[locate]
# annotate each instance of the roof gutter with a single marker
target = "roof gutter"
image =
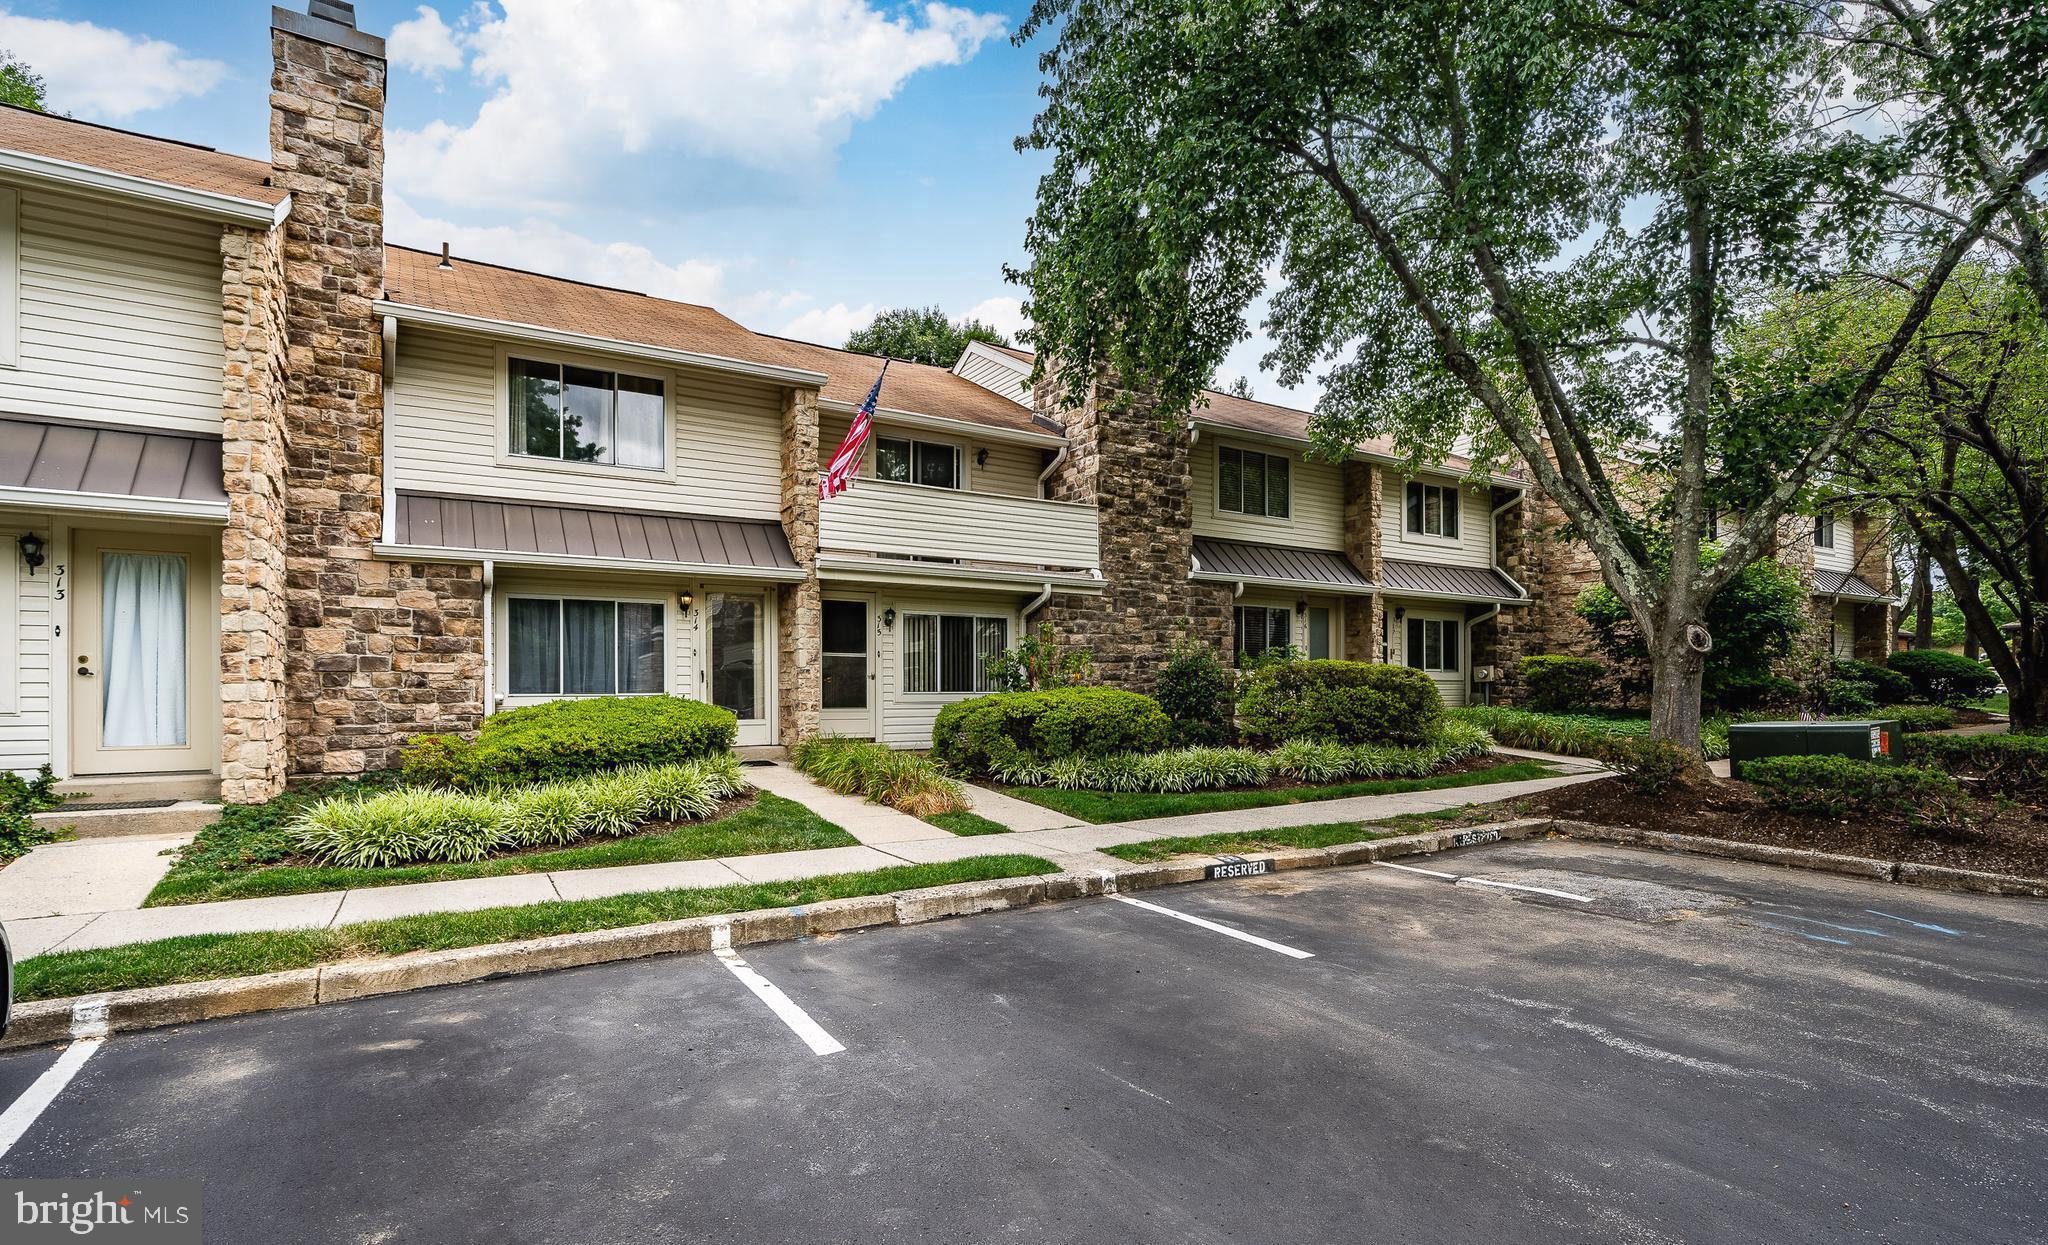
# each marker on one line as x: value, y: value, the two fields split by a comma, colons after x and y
x: 941, y: 423
x: 207, y: 203
x: 564, y: 561
x: 518, y: 330
x: 1388, y: 460
x: 60, y: 500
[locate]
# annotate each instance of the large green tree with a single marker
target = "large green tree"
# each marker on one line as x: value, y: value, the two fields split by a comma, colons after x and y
x: 1531, y: 221
x: 20, y: 84
x: 921, y: 335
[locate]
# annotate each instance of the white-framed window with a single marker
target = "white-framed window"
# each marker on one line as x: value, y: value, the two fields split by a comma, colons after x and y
x: 1433, y: 509
x: 950, y: 652
x: 1433, y: 643
x: 576, y: 414
x: 934, y: 464
x: 1248, y: 482
x: 1262, y: 627
x: 575, y: 646
x: 1823, y: 531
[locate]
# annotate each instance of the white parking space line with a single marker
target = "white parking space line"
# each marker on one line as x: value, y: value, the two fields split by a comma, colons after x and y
x: 1213, y: 927
x: 1510, y: 886
x: 34, y: 1100
x: 799, y: 1021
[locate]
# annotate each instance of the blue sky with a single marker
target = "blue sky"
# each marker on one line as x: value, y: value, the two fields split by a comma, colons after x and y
x: 796, y: 163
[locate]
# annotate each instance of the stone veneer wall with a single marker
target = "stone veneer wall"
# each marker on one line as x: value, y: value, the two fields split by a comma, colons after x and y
x: 379, y: 650
x: 1135, y: 470
x: 1553, y: 571
x: 799, y: 620
x: 1362, y: 537
x: 253, y: 754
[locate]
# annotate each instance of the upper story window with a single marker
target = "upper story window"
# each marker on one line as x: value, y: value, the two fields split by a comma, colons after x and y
x: 1248, y: 482
x: 1433, y: 509
x: 585, y: 415
x: 1823, y: 531
x: 905, y: 461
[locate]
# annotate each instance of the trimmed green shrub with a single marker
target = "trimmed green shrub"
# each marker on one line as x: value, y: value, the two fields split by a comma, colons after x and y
x: 1846, y: 696
x: 1010, y: 729
x: 1886, y: 685
x: 1944, y: 678
x: 1195, y: 691
x: 903, y: 780
x: 1832, y: 786
x: 2015, y: 765
x: 414, y: 825
x: 1555, y: 682
x: 569, y: 738
x: 1348, y: 702
x: 20, y: 799
x: 1915, y: 719
x: 1578, y: 734
x: 1652, y: 766
x: 1206, y: 769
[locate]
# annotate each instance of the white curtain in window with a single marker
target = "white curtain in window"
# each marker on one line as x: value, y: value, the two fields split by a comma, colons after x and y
x: 142, y: 635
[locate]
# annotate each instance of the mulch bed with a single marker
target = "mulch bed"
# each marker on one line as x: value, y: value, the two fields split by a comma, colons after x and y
x: 2012, y: 839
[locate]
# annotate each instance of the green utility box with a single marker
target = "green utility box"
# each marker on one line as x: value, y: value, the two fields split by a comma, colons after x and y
x: 1865, y: 741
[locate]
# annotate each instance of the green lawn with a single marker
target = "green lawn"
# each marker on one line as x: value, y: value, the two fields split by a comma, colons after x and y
x: 202, y: 957
x: 1113, y: 806
x: 229, y: 863
x: 1153, y: 850
x: 964, y: 822
x: 2001, y: 703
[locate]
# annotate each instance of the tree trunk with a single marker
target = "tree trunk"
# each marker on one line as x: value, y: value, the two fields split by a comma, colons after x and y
x: 2029, y: 697
x: 1677, y: 674
x: 1923, y: 599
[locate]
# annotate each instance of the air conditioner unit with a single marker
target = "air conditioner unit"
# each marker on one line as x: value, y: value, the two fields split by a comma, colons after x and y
x: 1486, y: 674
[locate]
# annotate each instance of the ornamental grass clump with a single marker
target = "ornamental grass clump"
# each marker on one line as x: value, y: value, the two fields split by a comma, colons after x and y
x: 400, y: 827
x: 906, y: 781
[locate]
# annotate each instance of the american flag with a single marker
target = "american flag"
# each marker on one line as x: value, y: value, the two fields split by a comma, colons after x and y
x: 845, y: 465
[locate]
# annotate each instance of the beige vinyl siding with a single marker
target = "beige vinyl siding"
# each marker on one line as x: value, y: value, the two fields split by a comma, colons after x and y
x: 1474, y: 546
x: 447, y: 426
x: 1843, y: 556
x: 1315, y: 501
x: 1011, y: 469
x: 1844, y: 631
x: 120, y: 316
x: 25, y: 687
x: 1001, y: 378
x: 905, y: 720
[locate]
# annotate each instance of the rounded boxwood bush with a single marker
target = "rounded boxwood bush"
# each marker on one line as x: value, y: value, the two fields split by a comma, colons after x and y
x: 1835, y: 786
x: 570, y: 738
x: 1556, y: 683
x: 1943, y: 678
x: 1887, y: 686
x: 1349, y: 702
x: 1010, y: 730
x: 2013, y: 765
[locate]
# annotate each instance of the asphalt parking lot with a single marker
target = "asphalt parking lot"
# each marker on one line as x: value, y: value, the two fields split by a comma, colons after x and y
x: 1641, y: 1048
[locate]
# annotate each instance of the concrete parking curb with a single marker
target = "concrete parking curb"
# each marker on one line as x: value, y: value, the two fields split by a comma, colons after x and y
x: 1904, y: 873
x: 57, y: 1020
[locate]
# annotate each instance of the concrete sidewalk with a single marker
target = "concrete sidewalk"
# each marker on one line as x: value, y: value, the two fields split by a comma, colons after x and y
x: 887, y: 837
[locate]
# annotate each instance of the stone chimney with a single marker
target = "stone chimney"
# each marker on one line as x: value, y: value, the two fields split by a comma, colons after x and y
x: 1136, y: 471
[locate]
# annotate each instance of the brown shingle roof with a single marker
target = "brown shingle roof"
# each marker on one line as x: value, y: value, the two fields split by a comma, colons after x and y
x: 489, y: 292
x: 136, y: 155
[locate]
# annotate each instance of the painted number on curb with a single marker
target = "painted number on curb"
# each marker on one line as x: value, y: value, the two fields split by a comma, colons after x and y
x: 1470, y: 838
x: 1238, y: 867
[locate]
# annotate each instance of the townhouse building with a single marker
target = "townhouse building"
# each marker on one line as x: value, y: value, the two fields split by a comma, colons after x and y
x: 278, y: 495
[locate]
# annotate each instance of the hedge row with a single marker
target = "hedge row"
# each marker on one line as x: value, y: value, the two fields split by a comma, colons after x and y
x: 1205, y: 768
x: 569, y: 738
x: 2015, y: 765
x: 1834, y: 786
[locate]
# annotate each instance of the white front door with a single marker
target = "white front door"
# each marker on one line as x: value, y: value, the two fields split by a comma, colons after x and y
x: 737, y: 640
x: 848, y: 630
x: 143, y: 672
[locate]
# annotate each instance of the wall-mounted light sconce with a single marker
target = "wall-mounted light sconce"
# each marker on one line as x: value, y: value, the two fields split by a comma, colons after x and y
x: 981, y: 457
x: 1400, y: 612
x: 684, y: 600
x: 31, y: 550
x: 1300, y: 608
x: 888, y: 618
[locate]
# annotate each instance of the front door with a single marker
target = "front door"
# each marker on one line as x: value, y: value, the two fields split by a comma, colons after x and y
x: 737, y: 667
x: 849, y: 691
x: 142, y: 668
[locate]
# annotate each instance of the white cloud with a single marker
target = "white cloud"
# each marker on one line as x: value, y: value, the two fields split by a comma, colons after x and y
x: 542, y: 246
x: 425, y: 44
x: 105, y: 74
x: 830, y: 326
x: 768, y: 86
x: 1004, y: 315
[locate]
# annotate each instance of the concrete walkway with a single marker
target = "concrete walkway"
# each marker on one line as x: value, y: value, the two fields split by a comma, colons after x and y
x: 887, y: 838
x: 85, y: 876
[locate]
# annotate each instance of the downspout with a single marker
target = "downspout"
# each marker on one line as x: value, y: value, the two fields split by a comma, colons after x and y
x: 490, y: 625
x: 1051, y: 467
x: 1032, y: 607
x: 1492, y: 528
x: 1485, y: 689
x: 390, y: 527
